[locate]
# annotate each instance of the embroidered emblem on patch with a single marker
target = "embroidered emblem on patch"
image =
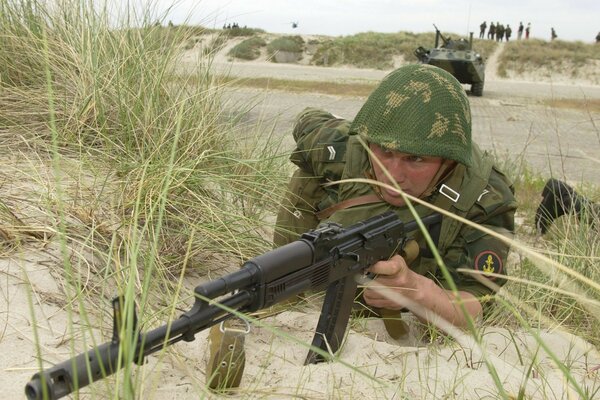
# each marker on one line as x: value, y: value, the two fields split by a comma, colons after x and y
x: 489, y: 262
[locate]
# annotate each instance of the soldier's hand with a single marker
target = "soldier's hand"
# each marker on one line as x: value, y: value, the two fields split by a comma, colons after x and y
x: 393, y: 274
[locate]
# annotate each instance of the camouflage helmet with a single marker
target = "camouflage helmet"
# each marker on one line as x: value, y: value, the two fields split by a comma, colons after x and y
x: 418, y: 109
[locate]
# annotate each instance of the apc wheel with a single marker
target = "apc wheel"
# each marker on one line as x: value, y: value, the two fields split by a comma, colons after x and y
x: 477, y: 89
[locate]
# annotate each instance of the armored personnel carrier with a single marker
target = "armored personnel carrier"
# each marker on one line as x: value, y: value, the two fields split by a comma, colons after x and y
x: 456, y: 57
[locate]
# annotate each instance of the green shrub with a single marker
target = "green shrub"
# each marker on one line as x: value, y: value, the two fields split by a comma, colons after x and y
x: 327, y: 54
x: 237, y: 32
x: 286, y: 43
x: 249, y: 49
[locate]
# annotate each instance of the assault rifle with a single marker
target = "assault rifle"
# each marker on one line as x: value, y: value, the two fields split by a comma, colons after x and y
x: 328, y: 258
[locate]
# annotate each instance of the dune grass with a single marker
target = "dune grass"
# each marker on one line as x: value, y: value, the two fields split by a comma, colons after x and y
x: 147, y: 180
x: 526, y: 54
x: 386, y: 50
x: 522, y: 56
x: 362, y: 50
x: 378, y: 50
x: 138, y: 179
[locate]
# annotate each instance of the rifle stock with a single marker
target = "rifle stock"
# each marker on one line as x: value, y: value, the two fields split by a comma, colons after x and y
x: 328, y: 258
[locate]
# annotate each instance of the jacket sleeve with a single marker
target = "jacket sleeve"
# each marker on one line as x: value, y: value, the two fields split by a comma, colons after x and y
x: 480, y: 252
x: 320, y: 156
x: 321, y: 139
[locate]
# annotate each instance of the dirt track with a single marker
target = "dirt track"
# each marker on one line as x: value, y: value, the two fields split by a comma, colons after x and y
x: 509, y: 118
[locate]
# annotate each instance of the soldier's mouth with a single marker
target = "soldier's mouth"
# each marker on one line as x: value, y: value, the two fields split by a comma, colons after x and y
x: 393, y: 192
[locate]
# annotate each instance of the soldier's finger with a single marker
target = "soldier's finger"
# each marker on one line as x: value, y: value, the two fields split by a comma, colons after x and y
x: 392, y: 266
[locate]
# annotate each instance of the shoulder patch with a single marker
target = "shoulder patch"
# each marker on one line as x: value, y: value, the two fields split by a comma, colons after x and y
x: 489, y: 262
x: 330, y: 152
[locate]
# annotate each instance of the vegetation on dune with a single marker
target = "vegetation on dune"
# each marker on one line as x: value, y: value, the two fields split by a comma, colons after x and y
x: 242, y: 31
x: 183, y: 179
x: 378, y: 50
x: 363, y: 50
x: 291, y: 44
x: 381, y: 50
x: 530, y: 55
x: 249, y: 49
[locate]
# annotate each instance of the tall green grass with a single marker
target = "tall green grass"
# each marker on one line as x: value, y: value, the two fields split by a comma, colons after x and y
x: 556, y: 299
x: 114, y: 103
x: 149, y: 178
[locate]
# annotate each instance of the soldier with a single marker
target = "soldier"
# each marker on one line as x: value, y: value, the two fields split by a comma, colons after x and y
x: 417, y: 128
x: 492, y: 31
x: 482, y: 30
x: 499, y: 32
x: 553, y: 34
x: 507, y: 32
x: 520, y: 31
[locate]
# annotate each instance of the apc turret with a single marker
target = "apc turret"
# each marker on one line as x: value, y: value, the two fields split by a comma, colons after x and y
x: 456, y: 57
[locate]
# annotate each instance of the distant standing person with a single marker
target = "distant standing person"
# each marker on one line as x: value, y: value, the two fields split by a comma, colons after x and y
x: 598, y: 38
x: 507, y: 32
x: 520, y: 31
x: 482, y: 30
x: 499, y: 32
x: 553, y: 34
x: 527, y: 30
x: 492, y: 31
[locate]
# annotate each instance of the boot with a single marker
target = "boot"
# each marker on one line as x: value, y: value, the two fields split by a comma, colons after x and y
x: 559, y: 199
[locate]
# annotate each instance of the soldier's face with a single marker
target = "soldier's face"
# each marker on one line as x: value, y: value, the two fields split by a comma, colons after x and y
x: 412, y: 173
